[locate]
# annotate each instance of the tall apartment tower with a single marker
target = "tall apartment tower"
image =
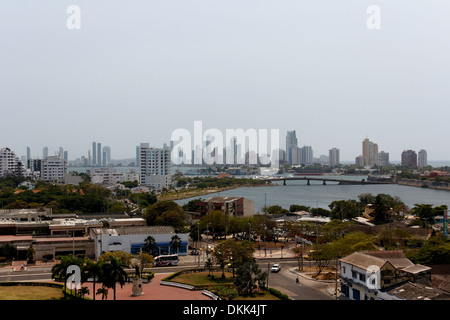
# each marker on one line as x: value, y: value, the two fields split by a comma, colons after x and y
x: 138, y: 152
x: 292, y: 151
x: 99, y: 154
x: 94, y: 154
x: 53, y: 169
x: 334, y: 157
x: 155, y: 166
x: 369, y: 152
x: 306, y: 155
x: 382, y: 159
x: 422, y: 159
x: 409, y: 158
x: 45, y: 153
x: 9, y: 163
x: 106, y: 156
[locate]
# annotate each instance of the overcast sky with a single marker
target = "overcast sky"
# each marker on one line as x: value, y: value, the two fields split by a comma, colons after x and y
x: 138, y: 70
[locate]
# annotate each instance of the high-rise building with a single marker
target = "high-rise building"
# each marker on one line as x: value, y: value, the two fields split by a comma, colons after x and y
x: 409, y: 158
x: 382, y: 159
x: 10, y: 163
x: 334, y: 157
x: 61, y: 152
x: 138, y: 151
x: 66, y: 156
x: 370, y: 151
x: 292, y: 151
x: 28, y: 156
x: 45, y: 153
x: 422, y: 160
x: 155, y: 166
x: 94, y: 154
x: 99, y: 154
x: 359, y: 161
x: 306, y: 155
x: 53, y: 169
x: 106, y: 156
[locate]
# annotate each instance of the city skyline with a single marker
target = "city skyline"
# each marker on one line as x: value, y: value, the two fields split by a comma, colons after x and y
x: 137, y: 73
x: 303, y: 152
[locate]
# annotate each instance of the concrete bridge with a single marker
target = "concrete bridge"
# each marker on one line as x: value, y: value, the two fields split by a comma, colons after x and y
x: 324, y: 180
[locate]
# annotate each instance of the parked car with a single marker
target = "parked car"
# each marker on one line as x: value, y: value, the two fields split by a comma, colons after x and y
x: 276, y: 267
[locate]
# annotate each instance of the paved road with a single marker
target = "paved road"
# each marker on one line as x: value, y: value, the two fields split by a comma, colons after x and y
x: 284, y: 281
x: 31, y: 274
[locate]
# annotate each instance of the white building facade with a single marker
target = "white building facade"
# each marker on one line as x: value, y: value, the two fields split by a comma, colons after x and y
x: 53, y: 169
x: 155, y: 166
x: 132, y: 240
x: 9, y: 163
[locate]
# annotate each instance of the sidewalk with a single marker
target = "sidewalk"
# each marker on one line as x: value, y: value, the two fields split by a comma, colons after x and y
x: 151, y: 291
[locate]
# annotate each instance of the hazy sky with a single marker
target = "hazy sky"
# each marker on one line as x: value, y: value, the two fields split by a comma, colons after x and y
x: 138, y: 70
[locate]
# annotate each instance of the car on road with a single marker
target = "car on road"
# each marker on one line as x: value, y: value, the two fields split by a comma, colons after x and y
x: 276, y: 267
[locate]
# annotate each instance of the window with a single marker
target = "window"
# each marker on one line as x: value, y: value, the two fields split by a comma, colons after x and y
x: 356, y: 295
x: 343, y: 269
x: 354, y: 275
x: 362, y: 277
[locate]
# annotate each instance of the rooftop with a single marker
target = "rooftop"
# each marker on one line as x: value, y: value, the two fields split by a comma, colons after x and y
x: 416, y: 291
x: 134, y: 230
x: 397, y: 258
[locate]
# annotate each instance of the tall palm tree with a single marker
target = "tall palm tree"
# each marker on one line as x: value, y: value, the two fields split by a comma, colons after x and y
x: 92, y: 269
x: 60, y: 269
x: 149, y: 245
x: 113, y: 272
x: 175, y: 243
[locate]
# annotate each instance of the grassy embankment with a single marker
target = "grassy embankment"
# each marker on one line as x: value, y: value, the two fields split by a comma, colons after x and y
x: 197, y: 192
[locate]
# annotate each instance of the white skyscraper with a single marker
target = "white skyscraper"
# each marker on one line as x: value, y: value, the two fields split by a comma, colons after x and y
x: 155, y: 166
x: 53, y: 169
x: 422, y: 159
x: 9, y: 162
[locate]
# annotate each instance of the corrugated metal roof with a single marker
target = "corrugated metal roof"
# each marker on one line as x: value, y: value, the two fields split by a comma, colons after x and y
x: 135, y: 230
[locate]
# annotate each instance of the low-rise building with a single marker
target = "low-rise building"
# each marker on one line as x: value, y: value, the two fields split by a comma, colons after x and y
x: 369, y: 275
x: 235, y: 206
x: 132, y: 239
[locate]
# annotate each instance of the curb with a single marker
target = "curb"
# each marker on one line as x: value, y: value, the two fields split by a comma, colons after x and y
x: 308, y: 278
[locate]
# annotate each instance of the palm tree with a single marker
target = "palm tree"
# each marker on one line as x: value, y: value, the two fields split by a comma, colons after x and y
x: 209, y: 264
x: 113, y: 272
x: 175, y: 243
x: 60, y: 270
x: 149, y: 245
x: 30, y: 254
x: 83, y: 291
x: 103, y: 291
x: 92, y: 269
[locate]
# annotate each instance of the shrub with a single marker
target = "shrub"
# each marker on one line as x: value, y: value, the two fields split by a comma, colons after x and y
x: 2, y: 259
x: 279, y: 294
x: 48, y: 256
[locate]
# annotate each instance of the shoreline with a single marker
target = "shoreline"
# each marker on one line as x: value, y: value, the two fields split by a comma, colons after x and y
x: 202, y: 192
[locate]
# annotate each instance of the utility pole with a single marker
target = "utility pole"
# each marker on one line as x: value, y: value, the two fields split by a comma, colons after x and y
x: 198, y: 243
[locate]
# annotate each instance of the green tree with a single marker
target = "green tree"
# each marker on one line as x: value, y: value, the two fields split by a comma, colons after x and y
x: 249, y: 278
x: 344, y: 209
x: 175, y: 243
x: 113, y: 272
x: 149, y: 245
x: 166, y: 213
x: 94, y: 270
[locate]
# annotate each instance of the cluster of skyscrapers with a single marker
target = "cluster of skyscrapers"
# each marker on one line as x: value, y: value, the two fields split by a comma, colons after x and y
x: 100, y: 157
x: 296, y: 155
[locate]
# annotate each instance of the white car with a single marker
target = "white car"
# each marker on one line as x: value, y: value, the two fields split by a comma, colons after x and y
x: 276, y: 267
